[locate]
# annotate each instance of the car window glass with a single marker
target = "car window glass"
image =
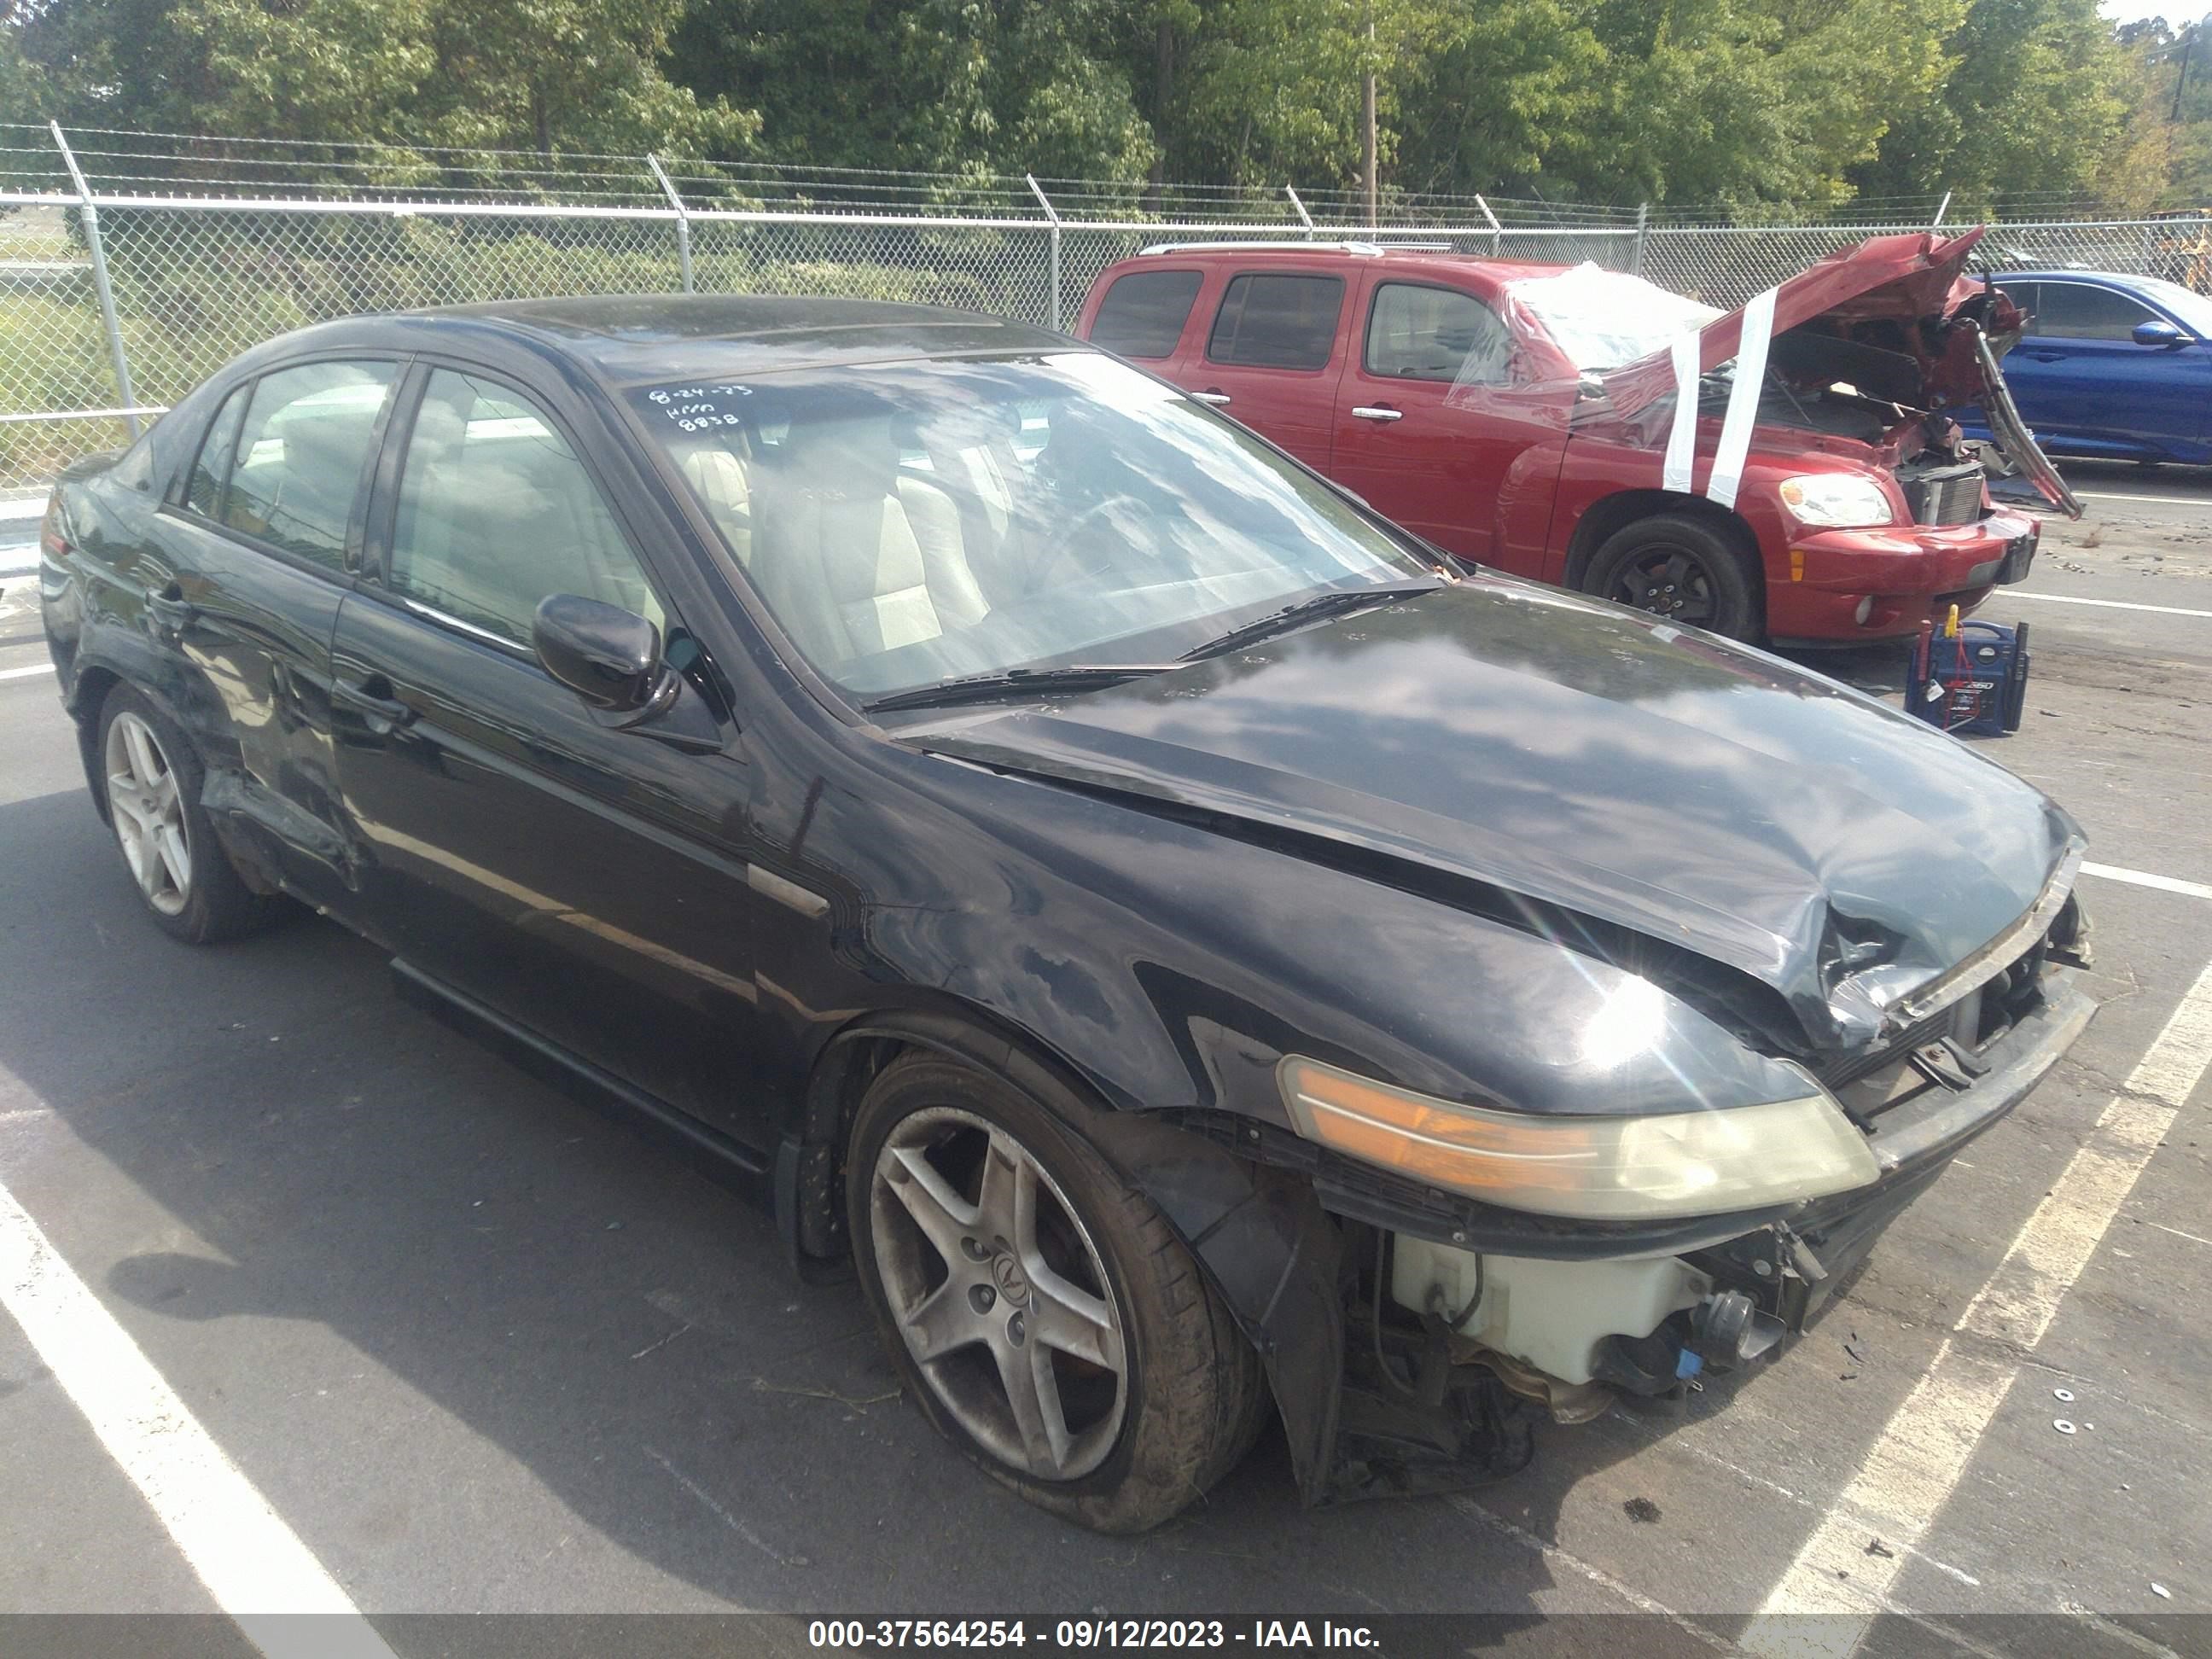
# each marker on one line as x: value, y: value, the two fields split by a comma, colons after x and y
x: 203, y: 490
x: 1416, y: 333
x: 1143, y: 314
x: 495, y: 512
x: 1277, y: 322
x: 299, y: 459
x: 2075, y: 310
x: 2024, y: 295
x: 933, y: 520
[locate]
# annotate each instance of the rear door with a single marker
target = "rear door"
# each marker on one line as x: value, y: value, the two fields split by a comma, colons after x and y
x: 1270, y: 354
x: 2080, y: 381
x: 571, y: 878
x: 259, y: 544
x: 1433, y: 428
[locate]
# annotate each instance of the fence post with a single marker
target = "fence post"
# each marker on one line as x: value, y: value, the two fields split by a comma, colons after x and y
x: 1942, y: 208
x: 1045, y: 201
x: 1305, y: 218
x: 91, y: 217
x: 683, y: 218
x: 1497, y: 230
x: 1642, y: 235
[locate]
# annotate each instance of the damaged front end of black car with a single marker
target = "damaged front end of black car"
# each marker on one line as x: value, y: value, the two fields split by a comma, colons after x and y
x: 1424, y: 1281
x: 1531, y: 1122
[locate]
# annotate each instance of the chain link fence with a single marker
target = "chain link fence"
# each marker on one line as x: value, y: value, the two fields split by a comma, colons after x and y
x: 133, y: 264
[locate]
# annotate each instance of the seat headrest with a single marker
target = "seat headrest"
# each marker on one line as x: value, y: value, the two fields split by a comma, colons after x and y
x: 849, y: 456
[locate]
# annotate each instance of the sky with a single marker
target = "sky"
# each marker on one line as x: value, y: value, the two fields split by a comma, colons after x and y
x: 2175, y: 12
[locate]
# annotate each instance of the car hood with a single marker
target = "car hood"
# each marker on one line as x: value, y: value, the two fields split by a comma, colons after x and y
x: 1494, y: 744
x: 1916, y: 280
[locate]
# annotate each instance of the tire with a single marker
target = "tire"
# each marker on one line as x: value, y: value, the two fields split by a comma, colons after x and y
x: 1683, y: 568
x: 150, y: 778
x: 1156, y: 1392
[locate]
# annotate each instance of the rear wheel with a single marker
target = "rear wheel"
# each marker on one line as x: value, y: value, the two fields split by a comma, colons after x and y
x: 1682, y: 568
x: 151, y: 776
x: 1043, y: 1313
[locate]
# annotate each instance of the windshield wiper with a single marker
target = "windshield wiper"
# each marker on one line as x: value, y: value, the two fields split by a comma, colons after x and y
x: 1306, y: 610
x: 981, y: 688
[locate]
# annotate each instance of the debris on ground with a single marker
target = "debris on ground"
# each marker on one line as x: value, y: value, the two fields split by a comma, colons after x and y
x: 1641, y: 1509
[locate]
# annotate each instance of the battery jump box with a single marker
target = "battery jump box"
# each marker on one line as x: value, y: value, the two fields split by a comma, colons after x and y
x: 1970, y: 678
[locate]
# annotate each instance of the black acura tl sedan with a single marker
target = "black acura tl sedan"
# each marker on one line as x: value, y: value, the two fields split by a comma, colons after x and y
x: 1196, y: 953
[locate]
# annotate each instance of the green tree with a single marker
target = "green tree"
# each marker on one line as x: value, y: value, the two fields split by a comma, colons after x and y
x: 2032, y: 101
x: 542, y: 74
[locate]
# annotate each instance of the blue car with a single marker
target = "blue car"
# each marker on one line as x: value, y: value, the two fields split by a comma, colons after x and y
x: 2111, y: 367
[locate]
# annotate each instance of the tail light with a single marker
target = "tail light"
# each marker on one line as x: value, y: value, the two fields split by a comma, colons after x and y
x: 52, y: 542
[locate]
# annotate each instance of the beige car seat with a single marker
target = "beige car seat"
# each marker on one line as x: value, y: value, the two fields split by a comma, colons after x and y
x: 839, y: 556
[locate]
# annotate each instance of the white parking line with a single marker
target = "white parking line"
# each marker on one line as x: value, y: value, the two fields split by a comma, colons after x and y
x: 254, y: 1566
x: 2110, y: 605
x: 2162, y: 500
x: 26, y: 673
x: 1916, y: 1461
x: 2144, y: 879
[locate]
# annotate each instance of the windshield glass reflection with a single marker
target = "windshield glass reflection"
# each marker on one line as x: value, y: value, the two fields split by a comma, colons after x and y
x: 919, y: 522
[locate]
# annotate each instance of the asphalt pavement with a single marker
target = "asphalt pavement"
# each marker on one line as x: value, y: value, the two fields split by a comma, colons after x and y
x: 433, y: 1339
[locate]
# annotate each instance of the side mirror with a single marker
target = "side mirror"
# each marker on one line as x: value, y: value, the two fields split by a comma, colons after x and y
x: 2160, y: 332
x: 609, y: 657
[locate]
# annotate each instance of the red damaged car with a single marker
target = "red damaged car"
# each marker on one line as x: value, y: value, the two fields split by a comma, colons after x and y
x: 1784, y: 471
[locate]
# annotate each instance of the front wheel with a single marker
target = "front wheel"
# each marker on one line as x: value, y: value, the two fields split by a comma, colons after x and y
x: 1043, y: 1313
x: 1682, y: 569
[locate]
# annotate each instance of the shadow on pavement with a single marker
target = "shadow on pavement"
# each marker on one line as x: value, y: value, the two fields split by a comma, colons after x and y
x: 536, y: 1276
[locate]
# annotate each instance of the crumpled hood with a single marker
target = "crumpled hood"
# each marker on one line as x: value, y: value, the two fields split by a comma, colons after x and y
x: 1662, y: 779
x: 1952, y: 329
x: 1904, y: 278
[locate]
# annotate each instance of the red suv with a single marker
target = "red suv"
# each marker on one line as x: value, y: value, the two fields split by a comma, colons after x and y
x: 1786, y: 470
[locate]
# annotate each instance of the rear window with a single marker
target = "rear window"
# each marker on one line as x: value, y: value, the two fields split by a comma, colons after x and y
x: 1277, y: 322
x: 1143, y: 314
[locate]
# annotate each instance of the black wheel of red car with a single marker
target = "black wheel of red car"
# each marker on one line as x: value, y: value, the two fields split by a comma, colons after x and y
x: 1682, y: 568
x: 150, y: 777
x: 1043, y: 1313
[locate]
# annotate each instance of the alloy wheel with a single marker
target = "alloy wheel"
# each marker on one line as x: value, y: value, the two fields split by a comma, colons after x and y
x: 1000, y: 1294
x: 149, y: 813
x: 1671, y: 582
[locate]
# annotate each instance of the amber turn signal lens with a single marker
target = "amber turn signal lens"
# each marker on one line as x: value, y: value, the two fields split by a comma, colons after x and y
x: 1704, y: 1162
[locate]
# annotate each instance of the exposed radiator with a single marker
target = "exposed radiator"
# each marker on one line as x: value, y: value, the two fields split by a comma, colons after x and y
x: 1948, y: 495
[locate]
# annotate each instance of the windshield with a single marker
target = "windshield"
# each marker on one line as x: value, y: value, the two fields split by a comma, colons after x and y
x: 1604, y: 319
x: 914, y: 523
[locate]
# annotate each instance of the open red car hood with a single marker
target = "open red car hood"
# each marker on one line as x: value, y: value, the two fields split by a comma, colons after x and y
x: 1910, y: 279
x: 1904, y: 277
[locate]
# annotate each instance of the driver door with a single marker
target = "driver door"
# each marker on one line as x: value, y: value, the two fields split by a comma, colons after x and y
x: 1434, y: 430
x: 575, y: 880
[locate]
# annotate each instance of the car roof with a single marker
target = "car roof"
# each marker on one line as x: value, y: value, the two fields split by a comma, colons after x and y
x: 2115, y: 278
x: 635, y: 338
x: 1441, y: 263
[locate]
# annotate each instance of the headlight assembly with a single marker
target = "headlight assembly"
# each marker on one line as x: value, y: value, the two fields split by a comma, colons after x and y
x: 1595, y: 1169
x: 1837, y: 500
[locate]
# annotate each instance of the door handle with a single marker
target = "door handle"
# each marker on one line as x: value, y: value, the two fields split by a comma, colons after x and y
x: 1377, y: 412
x: 1217, y: 398
x: 171, y: 610
x: 382, y: 714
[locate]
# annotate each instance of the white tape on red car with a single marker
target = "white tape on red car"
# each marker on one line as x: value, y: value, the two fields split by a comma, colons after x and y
x: 1682, y: 436
x: 1743, y: 400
